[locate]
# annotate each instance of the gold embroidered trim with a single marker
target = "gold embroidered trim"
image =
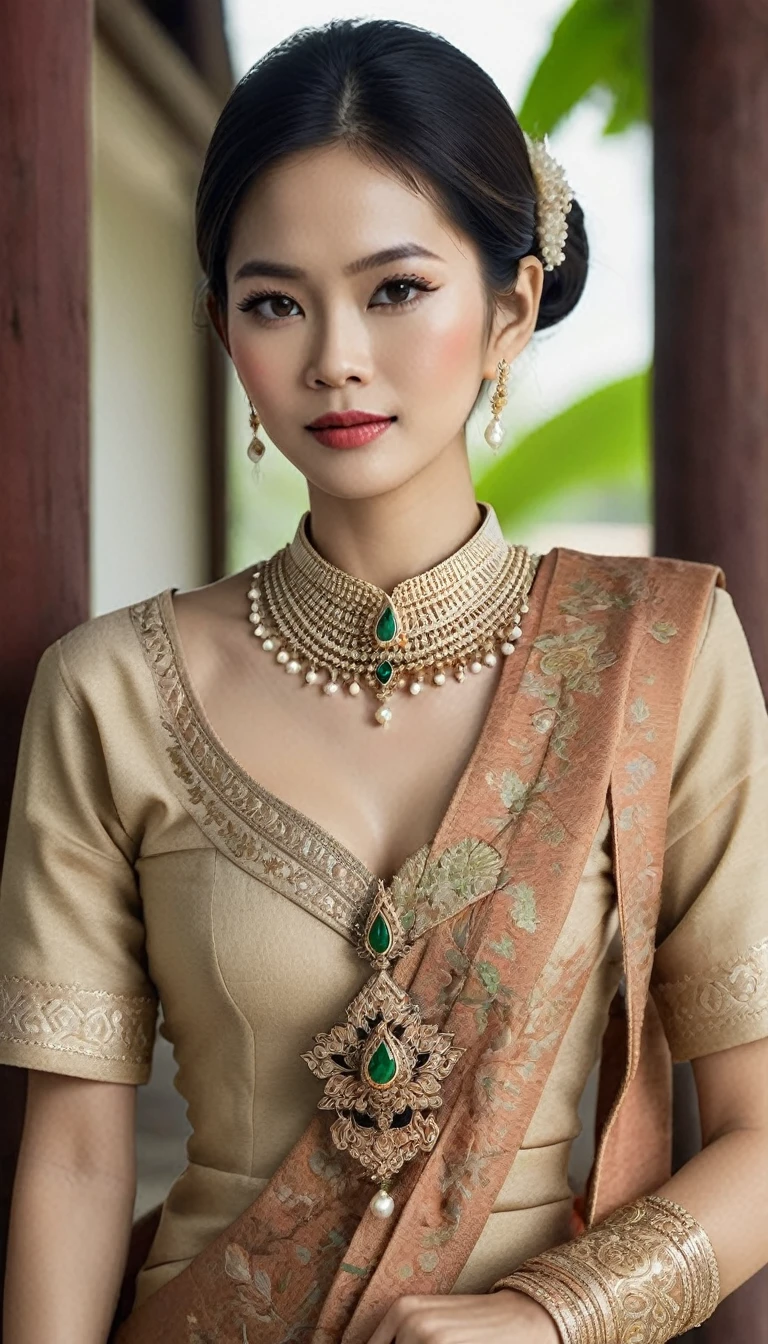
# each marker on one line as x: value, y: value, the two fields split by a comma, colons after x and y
x: 80, y: 1021
x: 710, y: 1012
x: 272, y: 840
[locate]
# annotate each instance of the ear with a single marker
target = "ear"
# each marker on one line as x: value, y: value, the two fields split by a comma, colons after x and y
x: 216, y: 318
x: 515, y: 318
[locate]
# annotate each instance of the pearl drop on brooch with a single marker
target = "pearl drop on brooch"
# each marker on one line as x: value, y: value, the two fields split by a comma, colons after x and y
x: 292, y: 667
x: 439, y: 679
x: 354, y: 688
x: 415, y: 687
x: 310, y: 676
x: 282, y: 656
x: 507, y: 648
x: 383, y: 715
x: 331, y: 687
x: 382, y: 1205
x: 474, y: 666
x: 268, y: 644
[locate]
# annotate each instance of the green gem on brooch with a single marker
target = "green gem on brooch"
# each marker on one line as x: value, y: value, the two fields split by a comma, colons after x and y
x: 386, y: 625
x: 382, y: 1065
x: 379, y: 936
x: 384, y: 672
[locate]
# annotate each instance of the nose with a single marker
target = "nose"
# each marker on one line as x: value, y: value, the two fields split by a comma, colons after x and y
x: 341, y: 352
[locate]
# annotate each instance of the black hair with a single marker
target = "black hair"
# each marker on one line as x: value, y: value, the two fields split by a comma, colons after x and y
x: 407, y: 98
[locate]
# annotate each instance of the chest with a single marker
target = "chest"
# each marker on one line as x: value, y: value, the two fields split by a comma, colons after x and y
x: 381, y: 792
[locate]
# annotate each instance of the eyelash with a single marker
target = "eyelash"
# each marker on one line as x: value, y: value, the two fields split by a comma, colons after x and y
x: 250, y: 302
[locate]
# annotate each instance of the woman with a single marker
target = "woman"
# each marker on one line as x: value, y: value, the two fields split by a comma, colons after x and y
x: 388, y: 922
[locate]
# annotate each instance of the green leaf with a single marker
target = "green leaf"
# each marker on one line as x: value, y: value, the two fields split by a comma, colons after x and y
x: 598, y: 441
x: 597, y: 45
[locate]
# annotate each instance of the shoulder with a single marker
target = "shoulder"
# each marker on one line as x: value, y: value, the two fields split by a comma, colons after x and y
x: 666, y: 596
x: 100, y: 650
x: 99, y: 662
x: 667, y: 569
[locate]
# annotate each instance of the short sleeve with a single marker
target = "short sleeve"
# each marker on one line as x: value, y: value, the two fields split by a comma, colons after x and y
x: 75, y: 994
x: 710, y: 974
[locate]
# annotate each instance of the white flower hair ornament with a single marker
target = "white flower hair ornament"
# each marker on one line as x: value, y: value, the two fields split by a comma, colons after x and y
x: 553, y: 202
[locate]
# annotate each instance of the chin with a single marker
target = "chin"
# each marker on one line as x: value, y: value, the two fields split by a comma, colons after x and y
x: 348, y: 476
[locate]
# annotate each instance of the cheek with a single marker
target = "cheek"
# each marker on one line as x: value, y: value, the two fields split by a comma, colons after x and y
x: 456, y: 345
x: 260, y: 368
x: 443, y: 361
x: 447, y: 345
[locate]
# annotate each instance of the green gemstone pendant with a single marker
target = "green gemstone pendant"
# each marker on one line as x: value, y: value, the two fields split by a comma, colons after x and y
x: 382, y: 1066
x: 379, y: 935
x: 384, y: 672
x: 387, y: 625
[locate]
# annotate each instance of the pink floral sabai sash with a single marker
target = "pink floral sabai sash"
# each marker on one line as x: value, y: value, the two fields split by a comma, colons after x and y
x: 587, y: 710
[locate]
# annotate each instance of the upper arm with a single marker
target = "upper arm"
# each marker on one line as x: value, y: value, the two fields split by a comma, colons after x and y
x: 75, y: 992
x: 732, y: 1087
x: 710, y: 972
x: 80, y: 1125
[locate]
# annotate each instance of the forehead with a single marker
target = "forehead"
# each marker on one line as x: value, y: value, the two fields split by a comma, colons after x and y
x: 322, y: 208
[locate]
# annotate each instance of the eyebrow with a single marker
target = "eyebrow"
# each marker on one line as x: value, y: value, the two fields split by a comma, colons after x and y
x: 281, y: 270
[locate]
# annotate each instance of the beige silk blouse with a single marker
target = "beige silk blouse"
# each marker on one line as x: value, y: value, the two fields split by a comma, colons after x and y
x: 144, y: 865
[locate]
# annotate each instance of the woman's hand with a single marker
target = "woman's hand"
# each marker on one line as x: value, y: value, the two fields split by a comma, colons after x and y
x: 504, y: 1317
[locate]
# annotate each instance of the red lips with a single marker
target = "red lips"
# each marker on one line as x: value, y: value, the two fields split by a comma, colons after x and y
x: 344, y: 418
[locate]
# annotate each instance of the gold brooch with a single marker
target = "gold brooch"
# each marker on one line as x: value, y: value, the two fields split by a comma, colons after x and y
x: 383, y: 1066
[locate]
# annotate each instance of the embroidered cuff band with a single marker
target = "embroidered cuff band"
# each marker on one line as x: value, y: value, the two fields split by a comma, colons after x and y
x: 647, y: 1272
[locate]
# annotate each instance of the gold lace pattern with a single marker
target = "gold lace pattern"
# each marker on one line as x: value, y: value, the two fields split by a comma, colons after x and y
x: 709, y: 1012
x: 80, y: 1021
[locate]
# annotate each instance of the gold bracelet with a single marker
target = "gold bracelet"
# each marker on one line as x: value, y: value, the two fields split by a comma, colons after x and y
x: 647, y: 1272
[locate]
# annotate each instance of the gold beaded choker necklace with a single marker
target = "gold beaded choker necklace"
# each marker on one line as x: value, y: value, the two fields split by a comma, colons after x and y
x: 452, y: 618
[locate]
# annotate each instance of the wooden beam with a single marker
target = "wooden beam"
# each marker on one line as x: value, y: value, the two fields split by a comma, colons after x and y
x: 45, y: 57
x: 710, y: 114
x: 160, y: 67
x: 190, y: 104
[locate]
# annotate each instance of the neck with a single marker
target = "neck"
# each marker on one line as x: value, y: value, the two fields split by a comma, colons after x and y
x: 387, y: 538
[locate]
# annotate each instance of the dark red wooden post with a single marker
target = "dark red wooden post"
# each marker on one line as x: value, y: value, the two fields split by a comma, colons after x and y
x: 710, y: 114
x: 710, y: 111
x: 45, y: 63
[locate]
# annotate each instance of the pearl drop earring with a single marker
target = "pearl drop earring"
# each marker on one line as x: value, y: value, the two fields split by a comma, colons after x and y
x: 256, y: 448
x: 494, y: 433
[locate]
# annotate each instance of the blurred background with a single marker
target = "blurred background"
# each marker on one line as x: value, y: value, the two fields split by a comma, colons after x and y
x: 639, y: 425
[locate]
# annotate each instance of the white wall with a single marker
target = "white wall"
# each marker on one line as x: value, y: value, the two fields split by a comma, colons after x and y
x: 149, y: 526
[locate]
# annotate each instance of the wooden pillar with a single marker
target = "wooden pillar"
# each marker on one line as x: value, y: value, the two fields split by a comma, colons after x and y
x: 710, y: 112
x: 45, y: 58
x: 710, y: 115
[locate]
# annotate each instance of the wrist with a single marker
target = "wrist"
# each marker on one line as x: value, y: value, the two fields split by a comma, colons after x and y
x: 527, y: 1312
x: 649, y: 1263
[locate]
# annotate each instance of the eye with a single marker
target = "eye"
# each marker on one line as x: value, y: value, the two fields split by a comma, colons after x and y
x: 274, y: 296
x: 403, y: 282
x: 281, y: 303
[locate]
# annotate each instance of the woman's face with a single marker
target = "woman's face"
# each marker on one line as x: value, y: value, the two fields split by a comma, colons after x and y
x: 402, y: 337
